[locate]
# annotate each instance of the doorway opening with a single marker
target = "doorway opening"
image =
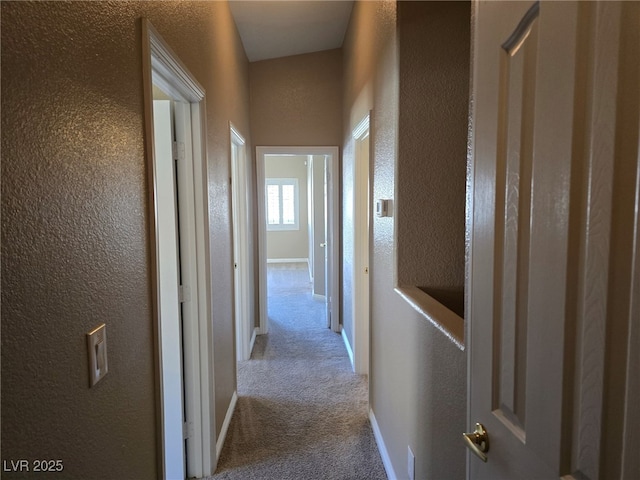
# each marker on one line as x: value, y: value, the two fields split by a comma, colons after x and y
x: 242, y: 259
x: 176, y: 149
x: 298, y: 224
x: 296, y: 235
x: 361, y: 238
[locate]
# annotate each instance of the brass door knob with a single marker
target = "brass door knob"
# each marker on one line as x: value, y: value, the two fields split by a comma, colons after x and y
x: 477, y: 442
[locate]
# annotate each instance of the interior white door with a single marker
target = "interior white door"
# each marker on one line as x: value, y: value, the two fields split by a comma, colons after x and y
x: 317, y: 209
x: 237, y: 281
x: 325, y: 246
x: 545, y: 156
x: 361, y: 248
x: 183, y: 156
x: 169, y: 281
x: 240, y: 213
x: 165, y: 78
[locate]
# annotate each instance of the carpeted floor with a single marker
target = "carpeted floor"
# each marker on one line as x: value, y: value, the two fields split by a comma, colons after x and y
x: 301, y: 411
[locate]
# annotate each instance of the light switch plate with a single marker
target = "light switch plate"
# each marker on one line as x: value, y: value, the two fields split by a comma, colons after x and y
x: 383, y: 207
x: 97, y: 350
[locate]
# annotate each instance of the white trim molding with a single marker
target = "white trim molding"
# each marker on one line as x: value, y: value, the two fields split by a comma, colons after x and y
x: 360, y: 307
x: 253, y: 340
x: 382, y: 448
x: 347, y: 345
x: 225, y: 425
x: 287, y: 260
x: 162, y: 67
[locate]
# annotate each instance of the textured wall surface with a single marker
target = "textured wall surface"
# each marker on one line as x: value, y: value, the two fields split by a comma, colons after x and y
x: 434, y: 94
x: 297, y: 100
x: 363, y: 36
x: 417, y: 376
x: 75, y: 243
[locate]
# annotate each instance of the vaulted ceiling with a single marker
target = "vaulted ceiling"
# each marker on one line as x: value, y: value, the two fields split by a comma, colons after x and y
x: 272, y: 29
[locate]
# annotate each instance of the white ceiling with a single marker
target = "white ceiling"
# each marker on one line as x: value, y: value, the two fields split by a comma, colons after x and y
x: 272, y: 29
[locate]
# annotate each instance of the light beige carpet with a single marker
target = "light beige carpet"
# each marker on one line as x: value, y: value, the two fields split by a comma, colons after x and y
x: 301, y: 411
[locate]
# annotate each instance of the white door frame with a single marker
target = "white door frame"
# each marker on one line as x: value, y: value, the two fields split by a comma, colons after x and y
x: 362, y: 222
x: 327, y: 246
x: 333, y: 235
x: 245, y: 334
x: 168, y: 280
x: 310, y: 219
x: 163, y: 68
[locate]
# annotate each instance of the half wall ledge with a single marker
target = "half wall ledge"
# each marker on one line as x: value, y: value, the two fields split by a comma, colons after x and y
x: 444, y: 319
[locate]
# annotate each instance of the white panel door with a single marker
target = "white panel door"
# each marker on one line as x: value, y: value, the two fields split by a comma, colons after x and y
x: 361, y: 316
x: 188, y: 279
x: 328, y: 290
x: 169, y: 282
x: 516, y: 385
x: 545, y: 273
x: 242, y: 275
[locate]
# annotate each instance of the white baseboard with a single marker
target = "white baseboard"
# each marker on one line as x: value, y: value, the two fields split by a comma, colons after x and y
x: 349, y: 350
x: 386, y: 460
x: 253, y: 340
x: 225, y: 425
x: 287, y: 260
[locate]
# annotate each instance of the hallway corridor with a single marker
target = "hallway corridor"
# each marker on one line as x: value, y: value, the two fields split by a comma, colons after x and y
x: 301, y: 411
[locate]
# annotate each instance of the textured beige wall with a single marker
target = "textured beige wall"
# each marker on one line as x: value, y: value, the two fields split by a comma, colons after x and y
x: 371, y: 30
x: 75, y: 223
x: 432, y: 149
x: 417, y: 375
x: 290, y: 243
x: 296, y: 101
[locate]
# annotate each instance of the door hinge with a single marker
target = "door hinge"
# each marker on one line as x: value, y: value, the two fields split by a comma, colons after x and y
x: 184, y: 294
x: 178, y: 150
x: 187, y: 430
